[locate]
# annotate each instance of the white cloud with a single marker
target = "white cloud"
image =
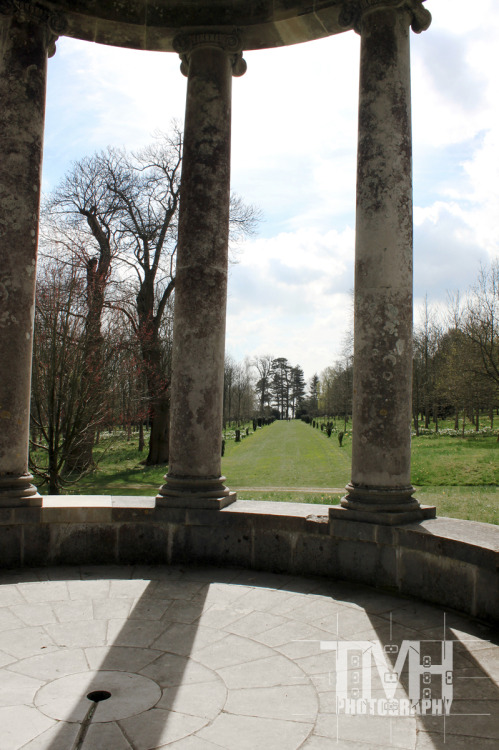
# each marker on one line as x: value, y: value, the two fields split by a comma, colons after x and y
x: 446, y: 254
x: 456, y: 132
x: 290, y: 295
x: 99, y: 96
x: 293, y: 154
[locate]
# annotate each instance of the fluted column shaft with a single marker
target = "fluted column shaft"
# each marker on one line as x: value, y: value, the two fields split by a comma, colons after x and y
x: 194, y: 477
x: 24, y: 44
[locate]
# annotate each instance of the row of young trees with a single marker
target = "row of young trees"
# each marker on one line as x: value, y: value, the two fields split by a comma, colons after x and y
x: 456, y: 357
x: 455, y: 364
x: 263, y: 386
x: 455, y: 368
x: 103, y: 318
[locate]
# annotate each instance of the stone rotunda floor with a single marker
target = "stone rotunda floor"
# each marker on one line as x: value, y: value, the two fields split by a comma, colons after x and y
x: 207, y: 658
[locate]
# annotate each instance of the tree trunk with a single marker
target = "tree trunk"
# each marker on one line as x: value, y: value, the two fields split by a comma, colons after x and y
x: 159, y: 410
x: 157, y: 379
x: 141, y: 436
x: 160, y: 432
x: 53, y: 472
x: 80, y: 457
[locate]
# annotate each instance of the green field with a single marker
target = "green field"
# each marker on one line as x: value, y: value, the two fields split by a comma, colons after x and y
x: 292, y: 461
x: 287, y: 454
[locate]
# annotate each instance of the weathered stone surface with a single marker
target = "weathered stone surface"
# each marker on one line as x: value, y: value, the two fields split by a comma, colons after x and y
x: 236, y: 658
x: 437, y: 578
x: 449, y: 561
x: 153, y: 24
x: 11, y: 546
x: 23, y: 62
x: 371, y: 513
x: 194, y: 476
x: 381, y: 441
x: 83, y: 544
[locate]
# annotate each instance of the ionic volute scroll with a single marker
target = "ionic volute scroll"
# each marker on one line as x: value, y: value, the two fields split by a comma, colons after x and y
x: 27, y: 11
x: 353, y: 11
x: 230, y: 42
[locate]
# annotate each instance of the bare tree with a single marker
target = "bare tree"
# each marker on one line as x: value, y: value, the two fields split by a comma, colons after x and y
x: 74, y: 235
x: 481, y: 320
x: 238, y: 391
x: 59, y: 388
x: 126, y: 206
x: 426, y: 340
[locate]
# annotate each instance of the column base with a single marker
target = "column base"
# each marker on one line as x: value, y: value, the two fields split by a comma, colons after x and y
x: 16, y: 491
x: 384, y: 505
x: 195, y: 492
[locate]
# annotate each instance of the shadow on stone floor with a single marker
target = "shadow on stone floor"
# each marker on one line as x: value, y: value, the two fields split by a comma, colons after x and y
x: 135, y: 676
x: 136, y: 633
x: 449, y: 658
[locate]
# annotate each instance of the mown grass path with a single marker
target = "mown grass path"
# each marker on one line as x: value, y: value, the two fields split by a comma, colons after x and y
x: 287, y: 454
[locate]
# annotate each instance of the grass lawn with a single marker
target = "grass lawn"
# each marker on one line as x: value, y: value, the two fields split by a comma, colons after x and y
x: 470, y: 503
x: 287, y: 454
x: 119, y: 471
x: 442, y: 460
x: 292, y: 461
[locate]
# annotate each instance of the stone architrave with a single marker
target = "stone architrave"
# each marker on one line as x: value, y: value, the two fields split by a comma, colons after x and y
x: 27, y: 36
x: 380, y: 488
x: 209, y: 60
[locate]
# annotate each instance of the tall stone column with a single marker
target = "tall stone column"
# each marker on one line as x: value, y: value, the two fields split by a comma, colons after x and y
x: 380, y: 488
x: 194, y: 479
x: 26, y: 38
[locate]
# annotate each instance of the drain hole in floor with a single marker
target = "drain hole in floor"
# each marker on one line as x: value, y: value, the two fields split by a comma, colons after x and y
x: 98, y: 695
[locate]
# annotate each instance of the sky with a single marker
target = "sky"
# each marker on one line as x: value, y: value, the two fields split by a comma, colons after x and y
x: 294, y: 140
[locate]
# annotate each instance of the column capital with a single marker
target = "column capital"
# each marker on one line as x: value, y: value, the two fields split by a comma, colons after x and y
x: 185, y: 42
x: 353, y: 12
x: 26, y: 11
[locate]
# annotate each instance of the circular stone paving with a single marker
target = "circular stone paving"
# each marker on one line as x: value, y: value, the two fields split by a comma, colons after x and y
x: 200, y: 659
x: 118, y: 695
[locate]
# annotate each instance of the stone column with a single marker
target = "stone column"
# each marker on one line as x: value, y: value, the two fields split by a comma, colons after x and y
x: 380, y: 489
x: 26, y: 38
x: 194, y: 477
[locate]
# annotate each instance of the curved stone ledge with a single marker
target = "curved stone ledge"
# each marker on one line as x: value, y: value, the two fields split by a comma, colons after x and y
x: 153, y: 24
x: 448, y: 561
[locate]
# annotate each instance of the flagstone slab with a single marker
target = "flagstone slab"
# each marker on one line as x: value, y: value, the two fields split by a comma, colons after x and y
x: 233, y: 664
